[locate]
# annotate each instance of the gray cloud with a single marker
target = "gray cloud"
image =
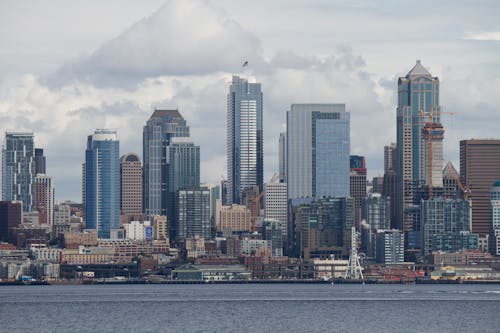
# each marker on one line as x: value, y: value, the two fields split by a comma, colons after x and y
x: 181, y: 38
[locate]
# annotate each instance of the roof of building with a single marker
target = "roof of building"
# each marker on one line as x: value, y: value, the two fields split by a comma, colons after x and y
x: 130, y: 157
x: 450, y: 171
x: 166, y: 113
x: 418, y: 70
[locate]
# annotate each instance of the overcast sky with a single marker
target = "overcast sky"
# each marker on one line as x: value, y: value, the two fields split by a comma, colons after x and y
x: 68, y: 67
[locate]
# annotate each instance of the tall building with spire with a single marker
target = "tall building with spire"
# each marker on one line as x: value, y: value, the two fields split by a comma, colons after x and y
x: 162, y: 126
x: 418, y: 105
x: 245, y: 152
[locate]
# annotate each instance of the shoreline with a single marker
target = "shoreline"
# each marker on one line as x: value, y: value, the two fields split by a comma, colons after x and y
x: 173, y: 282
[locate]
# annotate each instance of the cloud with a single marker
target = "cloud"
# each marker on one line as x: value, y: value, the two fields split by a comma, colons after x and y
x: 484, y: 36
x: 181, y: 38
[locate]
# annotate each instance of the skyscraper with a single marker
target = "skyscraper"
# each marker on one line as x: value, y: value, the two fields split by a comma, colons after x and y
x: 183, y: 162
x: 40, y: 161
x: 102, y: 182
x: 318, y: 144
x: 276, y: 202
x: 19, y: 168
x: 11, y: 214
x: 418, y: 104
x: 245, y: 155
x: 162, y: 126
x: 495, y: 218
x: 282, y: 157
x: 479, y: 168
x: 130, y: 184
x: 194, y: 213
x: 357, y: 184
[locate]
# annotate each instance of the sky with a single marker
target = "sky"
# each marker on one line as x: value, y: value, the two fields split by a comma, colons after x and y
x: 69, y: 67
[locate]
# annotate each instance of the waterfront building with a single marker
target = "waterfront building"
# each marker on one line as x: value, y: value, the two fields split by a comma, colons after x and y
x: 479, y: 168
x: 323, y: 227
x: 130, y: 184
x: 390, y: 247
x: 446, y: 225
x: 194, y: 213
x: 11, y: 215
x: 162, y: 126
x: 377, y: 211
x: 245, y: 151
x: 418, y: 104
x: 495, y: 218
x: 18, y: 168
x: 274, y: 230
x: 317, y: 151
x: 102, y: 182
x: 255, y: 247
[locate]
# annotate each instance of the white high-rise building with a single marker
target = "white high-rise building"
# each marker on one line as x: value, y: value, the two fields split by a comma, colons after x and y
x: 276, y: 202
x: 245, y: 157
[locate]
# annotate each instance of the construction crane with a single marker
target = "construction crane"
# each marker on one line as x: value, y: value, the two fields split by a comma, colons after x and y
x: 256, y: 208
x: 432, y: 131
x: 466, y: 191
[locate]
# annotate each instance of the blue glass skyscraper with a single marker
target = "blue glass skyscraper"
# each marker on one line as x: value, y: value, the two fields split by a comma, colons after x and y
x: 318, y: 144
x: 102, y: 182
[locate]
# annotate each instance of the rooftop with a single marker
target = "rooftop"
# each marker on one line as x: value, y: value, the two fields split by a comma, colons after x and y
x: 418, y: 70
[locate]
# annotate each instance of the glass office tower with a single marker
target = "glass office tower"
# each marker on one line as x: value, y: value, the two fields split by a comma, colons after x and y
x: 102, y: 182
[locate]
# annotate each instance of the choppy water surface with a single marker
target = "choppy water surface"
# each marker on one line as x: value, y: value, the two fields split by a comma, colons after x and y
x: 250, y: 308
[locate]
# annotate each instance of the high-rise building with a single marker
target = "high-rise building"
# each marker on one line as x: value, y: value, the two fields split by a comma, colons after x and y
x: 44, y: 199
x: 19, y: 168
x: 276, y: 202
x: 11, y: 215
x: 162, y: 126
x: 450, y: 182
x: 377, y: 211
x: 130, y: 184
x: 433, y: 134
x: 233, y: 218
x: 323, y: 226
x: 318, y: 151
x: 102, y: 182
x: 418, y: 104
x: 245, y: 151
x: 40, y: 162
x: 194, y: 214
x: 358, y: 184
x: 273, y: 230
x: 446, y: 225
x: 378, y: 184
x: 183, y: 162
x: 479, y: 168
x: 495, y: 218
x: 390, y: 246
x: 282, y: 157
x: 390, y: 153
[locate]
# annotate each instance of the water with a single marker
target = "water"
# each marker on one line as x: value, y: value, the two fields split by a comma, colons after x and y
x: 250, y: 308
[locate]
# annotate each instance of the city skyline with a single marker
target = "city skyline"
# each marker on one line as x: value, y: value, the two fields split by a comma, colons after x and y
x: 96, y: 81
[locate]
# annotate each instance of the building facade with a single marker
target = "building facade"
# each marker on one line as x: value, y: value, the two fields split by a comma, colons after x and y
x: 11, y: 216
x: 130, y: 184
x: 194, y: 214
x: 18, y: 168
x: 282, y: 157
x: 102, y: 182
x: 44, y: 199
x: 276, y: 202
x: 418, y: 103
x: 318, y: 145
x: 377, y: 211
x: 233, y: 219
x: 390, y: 247
x: 446, y: 225
x: 245, y: 146
x: 479, y: 168
x: 162, y: 126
